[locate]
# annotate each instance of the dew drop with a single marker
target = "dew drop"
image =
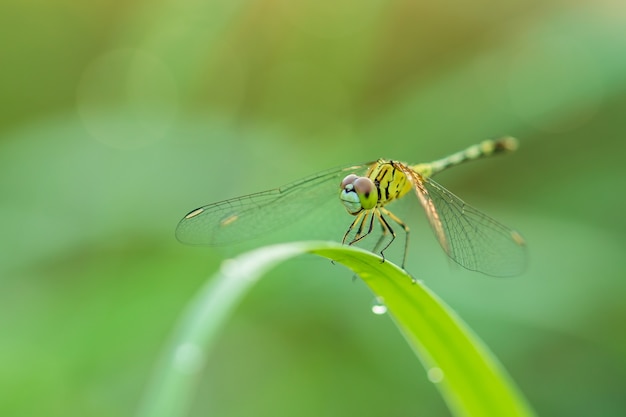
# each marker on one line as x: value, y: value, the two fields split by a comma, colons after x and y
x: 378, y: 307
x: 435, y: 375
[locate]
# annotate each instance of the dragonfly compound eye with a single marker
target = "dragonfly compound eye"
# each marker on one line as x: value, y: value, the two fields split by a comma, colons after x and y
x: 349, y: 180
x: 349, y: 196
x: 366, y: 190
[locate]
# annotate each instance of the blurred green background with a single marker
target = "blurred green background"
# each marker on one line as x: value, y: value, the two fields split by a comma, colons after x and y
x: 119, y: 117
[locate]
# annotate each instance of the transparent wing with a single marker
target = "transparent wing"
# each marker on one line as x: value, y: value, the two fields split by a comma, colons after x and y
x: 471, y: 238
x: 253, y: 215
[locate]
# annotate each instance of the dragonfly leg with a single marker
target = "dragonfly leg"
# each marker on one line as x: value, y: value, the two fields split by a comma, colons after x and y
x: 357, y: 219
x: 404, y: 227
x: 386, y: 226
x: 361, y: 222
x: 364, y: 224
x: 360, y: 235
x: 383, y: 236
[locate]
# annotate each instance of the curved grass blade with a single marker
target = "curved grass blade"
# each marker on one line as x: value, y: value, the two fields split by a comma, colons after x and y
x: 468, y: 376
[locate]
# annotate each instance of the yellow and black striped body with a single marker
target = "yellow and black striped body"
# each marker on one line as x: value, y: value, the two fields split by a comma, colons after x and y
x: 392, y: 183
x: 481, y: 150
x: 446, y: 213
x: 395, y: 179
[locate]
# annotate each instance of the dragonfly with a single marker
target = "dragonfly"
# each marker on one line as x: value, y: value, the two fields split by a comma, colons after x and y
x: 469, y: 237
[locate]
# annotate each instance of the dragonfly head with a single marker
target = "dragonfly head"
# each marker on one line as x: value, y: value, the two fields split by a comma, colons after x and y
x: 358, y: 193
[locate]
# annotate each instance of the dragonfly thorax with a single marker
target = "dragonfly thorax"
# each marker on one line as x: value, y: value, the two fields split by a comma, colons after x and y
x: 358, y: 193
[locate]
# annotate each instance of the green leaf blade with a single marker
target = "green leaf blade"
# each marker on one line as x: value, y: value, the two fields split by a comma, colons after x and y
x: 472, y: 381
x: 469, y: 377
